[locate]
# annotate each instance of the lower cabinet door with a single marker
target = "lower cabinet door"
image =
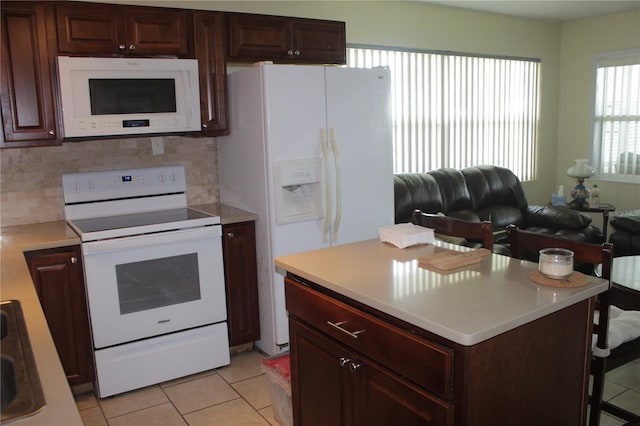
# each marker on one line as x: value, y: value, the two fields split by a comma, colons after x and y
x: 58, y: 278
x: 320, y: 385
x: 389, y: 400
x: 331, y: 385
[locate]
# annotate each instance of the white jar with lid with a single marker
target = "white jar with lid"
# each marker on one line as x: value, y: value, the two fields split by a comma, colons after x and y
x: 556, y: 263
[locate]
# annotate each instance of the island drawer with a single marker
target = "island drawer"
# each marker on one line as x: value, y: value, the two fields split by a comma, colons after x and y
x: 425, y: 363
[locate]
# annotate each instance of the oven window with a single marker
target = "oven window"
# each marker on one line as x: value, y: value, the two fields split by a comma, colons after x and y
x: 132, y: 95
x: 156, y: 283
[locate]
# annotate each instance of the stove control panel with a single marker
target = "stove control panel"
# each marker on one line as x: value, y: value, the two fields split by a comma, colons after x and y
x: 120, y: 184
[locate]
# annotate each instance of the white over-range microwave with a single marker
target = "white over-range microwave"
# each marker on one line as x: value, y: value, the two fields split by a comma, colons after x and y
x: 128, y: 96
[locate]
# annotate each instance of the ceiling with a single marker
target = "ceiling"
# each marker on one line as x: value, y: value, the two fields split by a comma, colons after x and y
x: 553, y: 10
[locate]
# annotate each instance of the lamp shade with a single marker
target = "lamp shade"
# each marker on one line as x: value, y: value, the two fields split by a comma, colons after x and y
x: 581, y: 169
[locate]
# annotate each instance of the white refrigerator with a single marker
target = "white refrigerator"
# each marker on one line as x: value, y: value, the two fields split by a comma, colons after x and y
x: 310, y: 152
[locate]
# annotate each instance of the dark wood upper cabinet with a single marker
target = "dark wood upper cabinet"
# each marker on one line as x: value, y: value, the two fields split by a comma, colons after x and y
x: 105, y: 29
x: 285, y: 40
x: 26, y: 86
x: 208, y: 39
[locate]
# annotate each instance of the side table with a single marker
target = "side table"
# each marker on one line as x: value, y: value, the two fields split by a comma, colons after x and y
x: 603, y: 208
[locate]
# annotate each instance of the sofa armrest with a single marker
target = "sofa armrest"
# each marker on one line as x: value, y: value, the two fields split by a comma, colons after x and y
x: 556, y: 217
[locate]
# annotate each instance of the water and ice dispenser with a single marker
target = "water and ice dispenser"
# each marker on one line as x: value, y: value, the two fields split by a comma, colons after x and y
x: 299, y: 190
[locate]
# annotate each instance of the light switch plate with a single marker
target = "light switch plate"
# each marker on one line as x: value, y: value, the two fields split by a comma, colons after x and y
x: 157, y: 146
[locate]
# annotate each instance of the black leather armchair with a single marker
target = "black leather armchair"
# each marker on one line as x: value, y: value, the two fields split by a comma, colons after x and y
x: 486, y: 193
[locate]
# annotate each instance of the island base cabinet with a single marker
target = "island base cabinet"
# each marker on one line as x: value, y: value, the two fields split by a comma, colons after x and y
x: 354, y: 365
x: 339, y: 387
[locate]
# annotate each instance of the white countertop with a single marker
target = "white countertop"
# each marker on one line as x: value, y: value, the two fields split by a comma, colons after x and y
x: 466, y: 307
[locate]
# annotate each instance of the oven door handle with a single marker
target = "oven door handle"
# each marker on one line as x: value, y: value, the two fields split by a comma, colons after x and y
x: 205, y: 232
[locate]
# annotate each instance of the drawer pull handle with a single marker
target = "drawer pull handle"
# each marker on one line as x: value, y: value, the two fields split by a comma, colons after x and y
x: 344, y: 361
x: 337, y: 326
x: 354, y: 366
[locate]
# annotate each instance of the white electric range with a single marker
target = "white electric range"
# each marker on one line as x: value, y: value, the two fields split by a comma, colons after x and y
x: 154, y: 276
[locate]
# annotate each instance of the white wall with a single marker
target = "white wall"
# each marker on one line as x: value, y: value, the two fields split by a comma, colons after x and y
x: 580, y: 40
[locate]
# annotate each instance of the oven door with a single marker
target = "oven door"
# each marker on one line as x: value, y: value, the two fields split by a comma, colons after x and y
x: 154, y: 284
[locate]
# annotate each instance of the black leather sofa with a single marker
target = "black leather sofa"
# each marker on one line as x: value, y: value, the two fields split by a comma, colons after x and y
x: 626, y: 235
x: 486, y: 193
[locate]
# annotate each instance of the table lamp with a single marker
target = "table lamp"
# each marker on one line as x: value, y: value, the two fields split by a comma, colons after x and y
x: 580, y: 194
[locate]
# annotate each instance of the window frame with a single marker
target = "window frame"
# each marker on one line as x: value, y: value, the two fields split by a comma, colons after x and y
x: 596, y: 145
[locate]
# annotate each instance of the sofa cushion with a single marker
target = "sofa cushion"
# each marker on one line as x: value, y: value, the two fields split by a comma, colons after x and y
x: 494, y: 186
x: 453, y: 190
x: 556, y: 217
x: 415, y: 191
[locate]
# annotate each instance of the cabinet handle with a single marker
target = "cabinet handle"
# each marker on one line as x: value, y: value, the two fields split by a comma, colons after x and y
x: 296, y: 52
x: 52, y: 132
x: 74, y: 260
x: 132, y: 47
x: 204, y: 126
x: 344, y: 361
x: 121, y: 46
x: 230, y: 234
x: 337, y: 326
x: 290, y: 52
x: 354, y: 365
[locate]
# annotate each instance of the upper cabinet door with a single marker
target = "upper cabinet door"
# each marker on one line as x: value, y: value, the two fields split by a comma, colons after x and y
x: 26, y: 90
x: 255, y: 37
x: 320, y: 41
x: 155, y: 31
x: 96, y: 28
x: 286, y: 40
x: 90, y: 28
x: 209, y: 51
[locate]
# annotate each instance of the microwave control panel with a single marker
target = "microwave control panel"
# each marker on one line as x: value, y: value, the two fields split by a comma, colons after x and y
x: 107, y: 124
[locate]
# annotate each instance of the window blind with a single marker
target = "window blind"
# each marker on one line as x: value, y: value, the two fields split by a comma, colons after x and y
x: 616, y: 134
x: 456, y: 110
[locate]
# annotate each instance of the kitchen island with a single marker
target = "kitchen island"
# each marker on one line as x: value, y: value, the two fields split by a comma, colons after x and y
x: 378, y: 339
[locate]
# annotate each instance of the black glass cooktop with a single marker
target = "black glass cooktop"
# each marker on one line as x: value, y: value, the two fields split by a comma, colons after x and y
x: 133, y: 220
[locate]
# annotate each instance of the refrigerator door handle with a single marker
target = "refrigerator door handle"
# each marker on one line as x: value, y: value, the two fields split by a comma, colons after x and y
x: 328, y: 198
x: 338, y: 188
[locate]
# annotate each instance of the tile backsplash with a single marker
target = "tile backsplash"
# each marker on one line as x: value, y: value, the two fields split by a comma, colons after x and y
x: 31, y: 182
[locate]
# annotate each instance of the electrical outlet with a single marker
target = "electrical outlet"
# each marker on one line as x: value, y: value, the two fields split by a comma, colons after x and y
x: 157, y: 146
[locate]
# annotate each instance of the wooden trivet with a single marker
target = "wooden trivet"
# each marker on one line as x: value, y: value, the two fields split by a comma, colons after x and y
x: 576, y: 279
x: 447, y: 260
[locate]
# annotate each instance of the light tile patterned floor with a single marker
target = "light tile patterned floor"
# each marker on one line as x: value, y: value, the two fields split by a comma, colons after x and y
x: 237, y: 395
x: 622, y: 388
x: 234, y: 395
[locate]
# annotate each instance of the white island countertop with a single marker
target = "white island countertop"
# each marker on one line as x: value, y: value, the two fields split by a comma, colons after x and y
x: 466, y: 306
